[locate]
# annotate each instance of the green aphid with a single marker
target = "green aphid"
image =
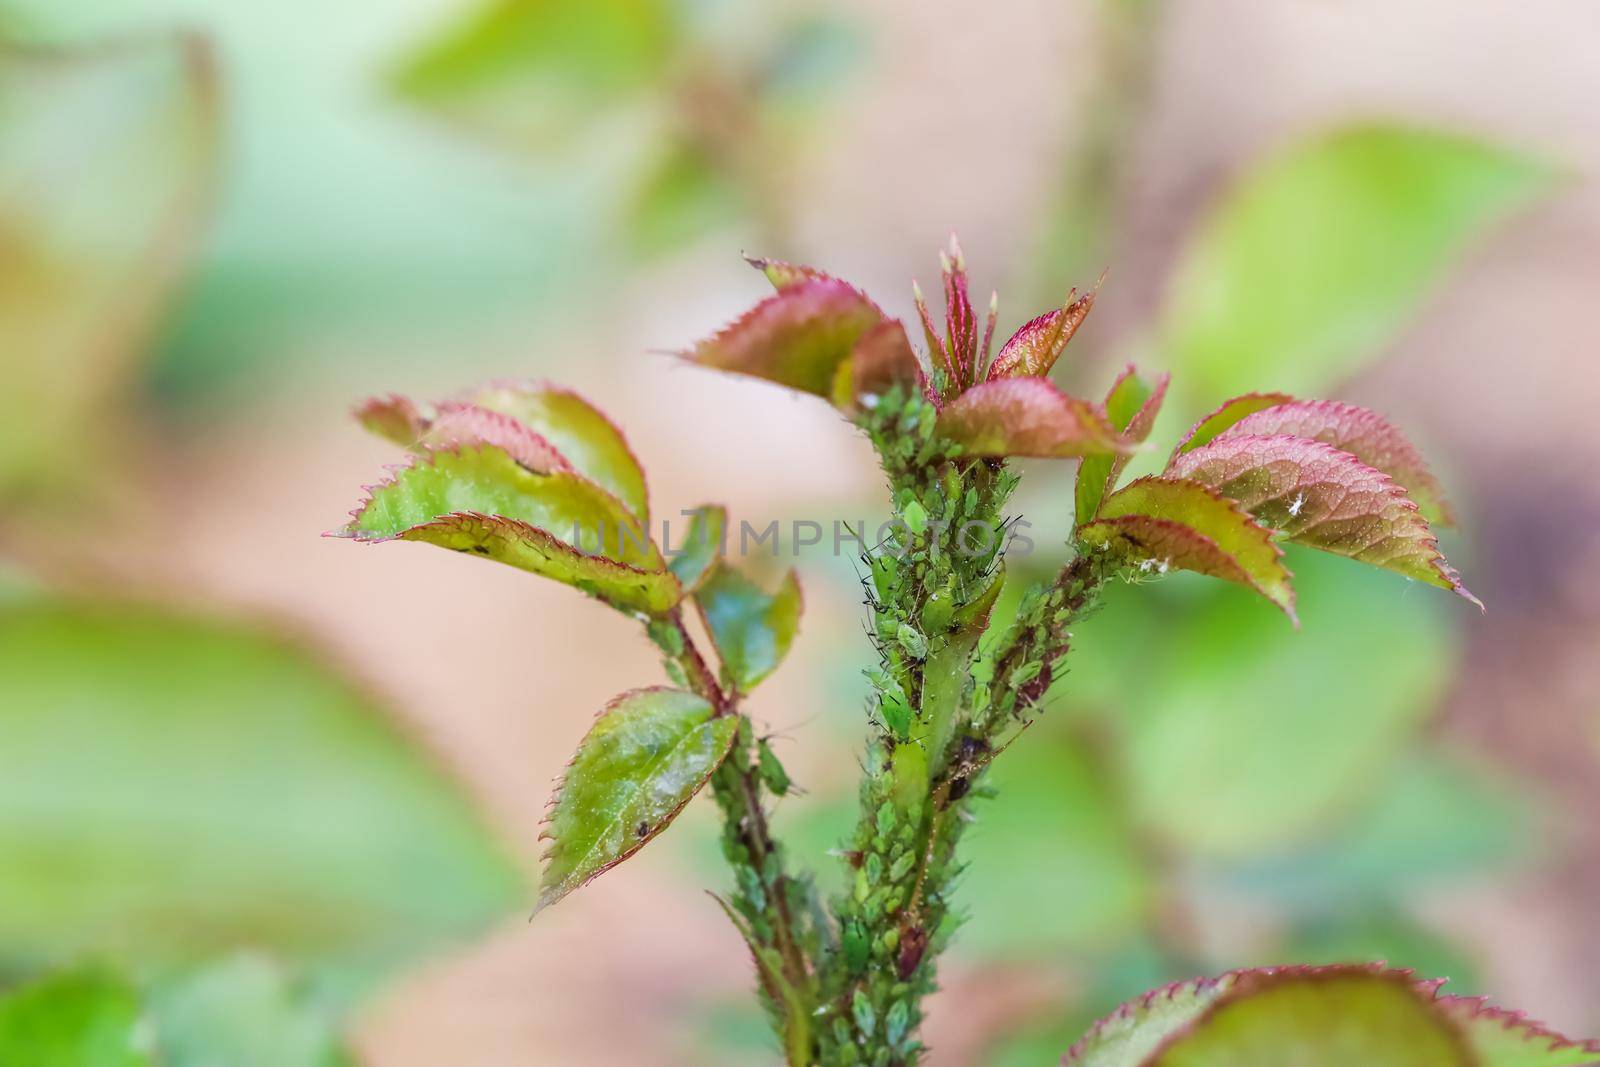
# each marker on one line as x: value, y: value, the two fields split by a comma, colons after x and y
x: 937, y: 612
x: 773, y: 775
x: 915, y: 516
x: 912, y: 641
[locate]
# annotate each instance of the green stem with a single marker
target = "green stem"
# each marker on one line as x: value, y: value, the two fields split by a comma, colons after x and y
x: 763, y: 902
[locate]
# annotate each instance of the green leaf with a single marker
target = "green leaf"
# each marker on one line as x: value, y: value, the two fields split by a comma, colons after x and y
x: 1315, y: 259
x: 479, y: 500
x: 83, y: 1018
x: 796, y: 337
x: 1132, y: 405
x: 1501, y: 1038
x: 1028, y: 417
x: 752, y: 629
x: 702, y: 546
x: 1128, y: 1036
x: 1211, y: 426
x: 534, y: 70
x: 648, y: 753
x: 242, y: 1012
x: 1333, y: 1017
x: 1317, y: 495
x: 579, y: 430
x: 107, y: 160
x: 1169, y: 522
x: 172, y: 787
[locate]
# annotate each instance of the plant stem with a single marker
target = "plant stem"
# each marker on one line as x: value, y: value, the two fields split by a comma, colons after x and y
x: 764, y: 897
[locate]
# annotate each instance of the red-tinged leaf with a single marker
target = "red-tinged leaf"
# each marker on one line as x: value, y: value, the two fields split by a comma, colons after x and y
x: 591, y: 443
x: 394, y: 418
x: 751, y: 628
x: 1132, y: 405
x: 1027, y: 417
x: 1503, y: 1038
x: 538, y: 551
x: 647, y: 754
x: 796, y: 337
x: 1317, y: 495
x: 1364, y: 434
x: 468, y: 424
x: 961, y: 324
x: 1325, y: 1017
x: 1168, y: 522
x: 938, y: 352
x: 1126, y: 1036
x: 1231, y: 411
x: 784, y: 275
x: 1034, y: 349
x: 478, y: 499
x: 882, y: 359
x: 703, y: 545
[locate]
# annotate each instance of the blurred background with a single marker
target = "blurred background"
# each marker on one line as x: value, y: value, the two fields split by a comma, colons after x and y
x: 293, y: 786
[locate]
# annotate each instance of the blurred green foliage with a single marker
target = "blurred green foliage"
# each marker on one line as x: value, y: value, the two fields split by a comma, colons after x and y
x: 86, y: 1018
x: 106, y: 164
x: 172, y: 788
x: 1311, y: 263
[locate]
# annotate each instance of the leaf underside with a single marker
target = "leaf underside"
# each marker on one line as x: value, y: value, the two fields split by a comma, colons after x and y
x: 751, y: 629
x: 647, y: 754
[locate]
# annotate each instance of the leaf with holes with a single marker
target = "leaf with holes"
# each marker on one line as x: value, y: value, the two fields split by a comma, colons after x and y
x: 797, y: 337
x: 1172, y: 522
x: 647, y: 754
x: 1316, y: 495
x: 751, y: 628
x: 1028, y: 417
x: 86, y: 1018
x: 479, y: 500
x: 1365, y: 434
x: 1132, y: 405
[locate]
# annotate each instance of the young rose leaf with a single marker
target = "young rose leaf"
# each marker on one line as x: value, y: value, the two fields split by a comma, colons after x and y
x: 1231, y: 411
x: 647, y: 754
x: 1127, y: 1036
x: 458, y: 425
x: 797, y: 337
x: 1364, y: 434
x: 1034, y: 348
x: 783, y: 275
x: 1312, y: 261
x: 778, y: 989
x: 580, y: 432
x: 1132, y: 405
x: 882, y: 359
x: 752, y: 629
x: 85, y: 1018
x: 1327, y: 1017
x: 1187, y: 525
x: 702, y: 546
x: 1503, y: 1038
x: 394, y: 418
x: 1316, y: 495
x: 1027, y: 417
x: 479, y: 500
